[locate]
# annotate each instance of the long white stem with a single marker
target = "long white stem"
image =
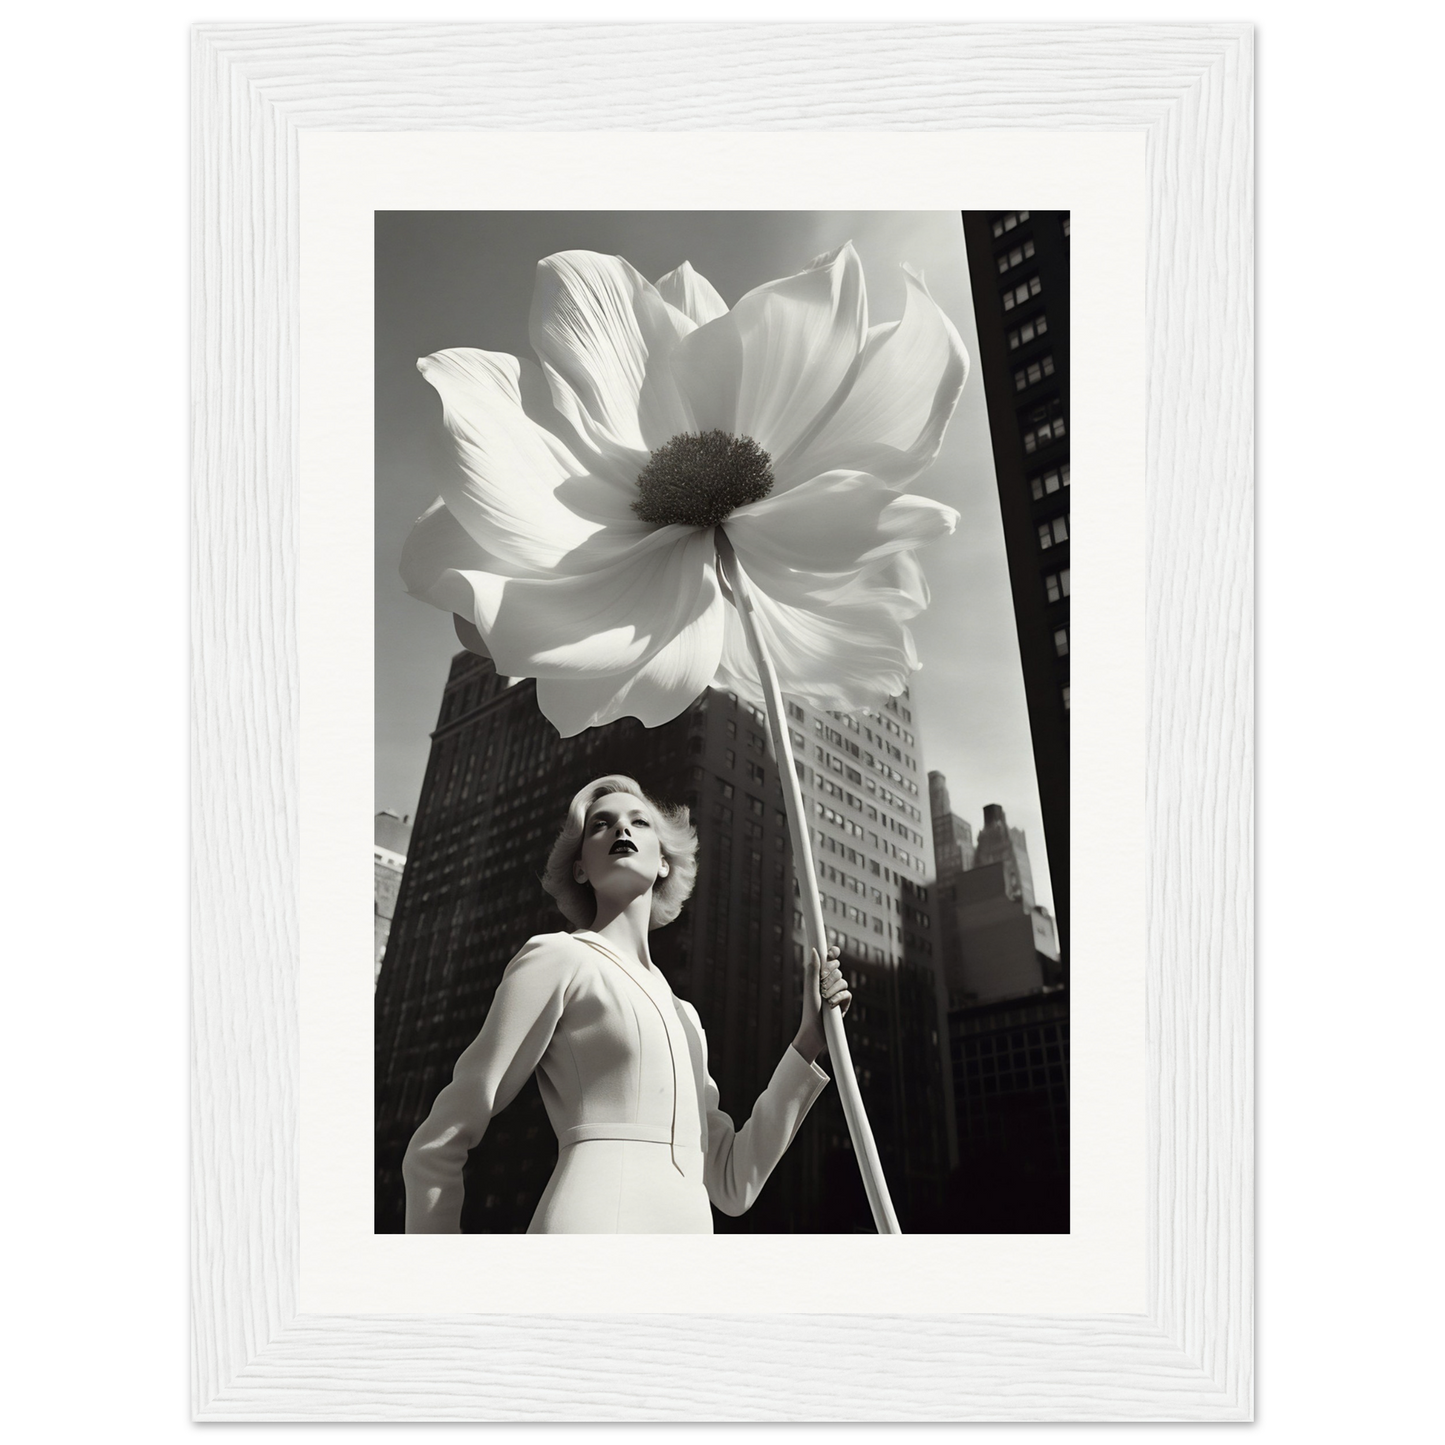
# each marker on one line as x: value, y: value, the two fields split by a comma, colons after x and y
x: 864, y: 1149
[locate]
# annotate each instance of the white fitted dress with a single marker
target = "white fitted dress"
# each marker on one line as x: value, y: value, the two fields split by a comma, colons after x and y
x: 622, y: 1066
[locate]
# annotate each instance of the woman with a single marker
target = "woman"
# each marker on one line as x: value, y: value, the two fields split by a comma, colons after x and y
x: 621, y: 1061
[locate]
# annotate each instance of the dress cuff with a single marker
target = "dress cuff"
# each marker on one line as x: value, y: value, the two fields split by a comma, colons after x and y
x: 799, y: 1065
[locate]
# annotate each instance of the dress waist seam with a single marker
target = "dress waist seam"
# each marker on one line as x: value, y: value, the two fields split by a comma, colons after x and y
x: 640, y: 1133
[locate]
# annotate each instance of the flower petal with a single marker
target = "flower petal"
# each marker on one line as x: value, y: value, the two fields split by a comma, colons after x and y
x: 469, y: 637
x: 895, y: 584
x: 517, y: 489
x: 839, y: 659
x: 834, y: 523
x: 436, y: 546
x: 656, y: 693
x: 772, y: 367
x: 607, y: 490
x: 599, y: 328
x: 693, y: 295
x: 608, y: 615
x: 892, y: 420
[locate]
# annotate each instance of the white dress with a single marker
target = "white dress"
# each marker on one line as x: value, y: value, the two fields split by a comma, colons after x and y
x: 622, y: 1067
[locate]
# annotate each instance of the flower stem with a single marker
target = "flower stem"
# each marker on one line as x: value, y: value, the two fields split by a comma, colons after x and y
x: 864, y: 1149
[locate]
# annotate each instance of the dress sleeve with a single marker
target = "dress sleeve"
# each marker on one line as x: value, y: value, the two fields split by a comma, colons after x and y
x: 494, y: 1066
x: 739, y: 1160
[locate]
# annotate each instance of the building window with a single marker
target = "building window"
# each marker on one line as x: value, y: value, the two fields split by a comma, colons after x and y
x: 1065, y: 224
x: 1008, y: 222
x: 1017, y: 295
x: 1042, y: 425
x: 1054, y: 532
x: 1016, y: 257
x: 1056, y: 584
x: 1034, y: 372
x: 795, y: 712
x: 1034, y: 326
x: 1061, y: 641
x: 1066, y: 697
x: 1049, y: 482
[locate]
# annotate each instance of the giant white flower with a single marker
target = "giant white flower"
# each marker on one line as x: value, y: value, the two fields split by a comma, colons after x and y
x: 575, y: 540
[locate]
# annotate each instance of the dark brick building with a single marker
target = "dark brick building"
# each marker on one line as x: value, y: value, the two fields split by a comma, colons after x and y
x: 1019, y: 267
x: 1011, y: 1093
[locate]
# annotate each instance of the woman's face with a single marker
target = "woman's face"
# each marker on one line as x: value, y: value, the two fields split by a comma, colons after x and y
x: 621, y: 854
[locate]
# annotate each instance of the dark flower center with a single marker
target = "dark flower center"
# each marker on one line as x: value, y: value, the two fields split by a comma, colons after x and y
x: 698, y: 479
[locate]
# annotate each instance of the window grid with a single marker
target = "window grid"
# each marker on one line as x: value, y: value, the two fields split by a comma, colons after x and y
x: 1048, y: 482
x: 1034, y: 372
x: 1017, y: 295
x: 1042, y: 435
x: 1008, y: 222
x: 1044, y: 424
x: 1053, y: 533
x: 1034, y: 326
x: 1015, y: 257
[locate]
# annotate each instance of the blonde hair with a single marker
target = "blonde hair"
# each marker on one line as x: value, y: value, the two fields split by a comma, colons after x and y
x: 675, y: 833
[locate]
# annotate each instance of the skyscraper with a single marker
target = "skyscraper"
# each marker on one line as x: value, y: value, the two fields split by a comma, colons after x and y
x: 1008, y: 1031
x: 392, y: 836
x: 497, y: 785
x: 953, y: 850
x: 997, y: 942
x: 1018, y: 264
x: 861, y: 782
x: 998, y: 843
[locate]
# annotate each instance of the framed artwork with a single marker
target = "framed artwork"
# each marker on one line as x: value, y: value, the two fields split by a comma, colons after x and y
x: 1033, y: 858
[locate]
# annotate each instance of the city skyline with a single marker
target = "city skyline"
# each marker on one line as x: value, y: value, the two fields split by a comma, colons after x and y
x: 465, y: 279
x: 497, y: 784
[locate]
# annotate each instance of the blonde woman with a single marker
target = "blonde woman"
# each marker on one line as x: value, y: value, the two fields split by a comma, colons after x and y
x: 621, y: 1061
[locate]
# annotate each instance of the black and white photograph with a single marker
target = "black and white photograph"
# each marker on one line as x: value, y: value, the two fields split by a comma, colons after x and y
x: 722, y: 662
x: 627, y: 473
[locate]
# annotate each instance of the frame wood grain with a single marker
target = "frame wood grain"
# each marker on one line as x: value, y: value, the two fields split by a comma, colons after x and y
x: 1187, y: 88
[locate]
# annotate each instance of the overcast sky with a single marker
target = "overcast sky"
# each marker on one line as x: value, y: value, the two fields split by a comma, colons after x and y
x: 464, y: 278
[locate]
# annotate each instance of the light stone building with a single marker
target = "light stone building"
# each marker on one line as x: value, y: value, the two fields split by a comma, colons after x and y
x: 391, y: 838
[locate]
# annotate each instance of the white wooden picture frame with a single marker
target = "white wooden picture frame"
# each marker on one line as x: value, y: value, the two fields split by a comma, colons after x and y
x: 1186, y: 91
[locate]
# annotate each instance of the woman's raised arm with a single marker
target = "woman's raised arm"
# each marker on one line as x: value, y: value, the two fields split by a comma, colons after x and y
x: 519, y: 1026
x: 738, y: 1161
